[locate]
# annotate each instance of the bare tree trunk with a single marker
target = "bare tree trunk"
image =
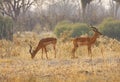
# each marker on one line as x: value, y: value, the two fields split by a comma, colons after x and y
x: 116, y: 10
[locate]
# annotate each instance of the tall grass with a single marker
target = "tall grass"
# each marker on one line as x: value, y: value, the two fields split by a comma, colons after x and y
x: 20, y: 46
x: 16, y: 64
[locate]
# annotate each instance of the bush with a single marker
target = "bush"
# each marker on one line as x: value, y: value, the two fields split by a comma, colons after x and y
x: 62, y: 27
x: 79, y: 29
x: 110, y: 28
x: 75, y: 29
x: 6, y: 28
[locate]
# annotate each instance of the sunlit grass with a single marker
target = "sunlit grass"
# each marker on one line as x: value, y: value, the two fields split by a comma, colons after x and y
x: 16, y: 64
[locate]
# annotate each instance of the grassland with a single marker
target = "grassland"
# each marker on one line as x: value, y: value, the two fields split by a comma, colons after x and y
x: 16, y: 64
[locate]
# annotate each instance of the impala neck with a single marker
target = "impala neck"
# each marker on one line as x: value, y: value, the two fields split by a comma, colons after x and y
x: 93, y: 39
x: 35, y: 51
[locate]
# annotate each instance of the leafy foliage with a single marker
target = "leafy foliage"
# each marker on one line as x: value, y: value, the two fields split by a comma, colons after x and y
x: 79, y: 29
x: 110, y: 28
x: 75, y: 29
x: 6, y: 28
x: 61, y: 27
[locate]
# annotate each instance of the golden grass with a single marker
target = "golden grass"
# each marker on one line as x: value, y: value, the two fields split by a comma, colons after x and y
x: 5, y: 60
x: 16, y: 64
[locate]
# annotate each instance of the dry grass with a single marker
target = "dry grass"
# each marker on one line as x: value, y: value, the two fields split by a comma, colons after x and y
x: 17, y: 66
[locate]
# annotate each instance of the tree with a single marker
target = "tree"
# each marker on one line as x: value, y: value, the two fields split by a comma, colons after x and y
x: 114, y: 8
x: 6, y: 24
x: 84, y: 4
x: 117, y: 7
x: 56, y: 10
x: 117, y: 1
x: 13, y: 8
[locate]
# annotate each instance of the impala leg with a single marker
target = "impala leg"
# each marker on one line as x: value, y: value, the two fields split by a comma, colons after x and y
x: 42, y: 54
x: 54, y: 50
x: 46, y: 52
x: 89, y: 51
x: 73, y: 51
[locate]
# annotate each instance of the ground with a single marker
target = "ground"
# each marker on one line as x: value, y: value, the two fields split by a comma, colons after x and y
x: 16, y: 64
x: 60, y: 70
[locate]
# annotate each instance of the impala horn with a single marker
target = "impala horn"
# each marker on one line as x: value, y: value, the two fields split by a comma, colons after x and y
x: 94, y: 29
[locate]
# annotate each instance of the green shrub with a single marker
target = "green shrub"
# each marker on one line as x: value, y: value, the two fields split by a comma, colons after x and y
x: 62, y: 27
x: 79, y: 29
x: 76, y: 29
x: 110, y: 28
x: 6, y: 28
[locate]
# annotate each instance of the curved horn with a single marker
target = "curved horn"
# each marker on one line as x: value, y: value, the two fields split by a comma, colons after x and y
x: 91, y: 26
x: 94, y: 28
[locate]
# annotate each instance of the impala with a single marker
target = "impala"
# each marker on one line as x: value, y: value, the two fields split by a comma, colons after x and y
x: 88, y: 41
x: 42, y: 45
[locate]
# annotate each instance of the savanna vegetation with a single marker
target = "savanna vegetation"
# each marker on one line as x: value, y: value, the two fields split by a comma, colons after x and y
x: 26, y: 22
x: 16, y: 64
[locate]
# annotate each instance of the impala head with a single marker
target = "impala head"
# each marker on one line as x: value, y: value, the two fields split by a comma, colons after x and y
x: 95, y: 30
x: 32, y: 53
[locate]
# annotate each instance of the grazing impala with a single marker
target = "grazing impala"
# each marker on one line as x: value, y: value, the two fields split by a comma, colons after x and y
x: 42, y: 45
x: 88, y: 41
